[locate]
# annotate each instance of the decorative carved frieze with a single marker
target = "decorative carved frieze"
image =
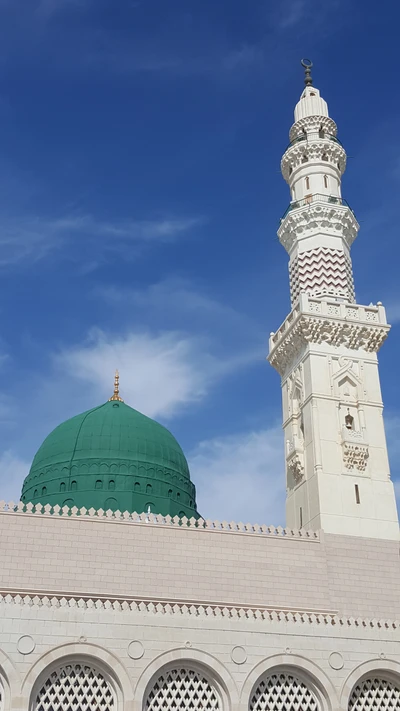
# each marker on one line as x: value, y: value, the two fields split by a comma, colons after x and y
x: 301, y: 328
x: 295, y: 465
x: 312, y: 123
x: 315, y: 150
x: 355, y: 456
x: 318, y: 218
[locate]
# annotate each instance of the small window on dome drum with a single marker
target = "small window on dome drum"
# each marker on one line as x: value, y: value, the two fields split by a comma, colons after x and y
x: 44, y: 491
x: 74, y: 486
x: 99, y: 484
x: 62, y: 486
x: 149, y: 488
x: 169, y: 492
x: 137, y: 486
x: 111, y: 484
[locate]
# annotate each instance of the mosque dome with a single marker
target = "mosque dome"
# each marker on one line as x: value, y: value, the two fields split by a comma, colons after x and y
x: 112, y: 457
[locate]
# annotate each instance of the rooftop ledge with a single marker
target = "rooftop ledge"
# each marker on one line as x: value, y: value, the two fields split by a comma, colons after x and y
x: 125, y: 517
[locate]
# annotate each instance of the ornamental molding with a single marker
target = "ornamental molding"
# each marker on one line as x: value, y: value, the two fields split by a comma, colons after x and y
x: 316, y: 218
x: 312, y: 123
x: 355, y: 455
x: 148, y: 519
x: 318, y: 321
x: 191, y: 609
x: 295, y: 465
x: 313, y: 148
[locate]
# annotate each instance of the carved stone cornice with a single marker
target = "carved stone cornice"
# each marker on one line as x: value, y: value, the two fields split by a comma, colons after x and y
x: 312, y: 123
x: 314, y: 150
x: 319, y: 321
x: 316, y: 218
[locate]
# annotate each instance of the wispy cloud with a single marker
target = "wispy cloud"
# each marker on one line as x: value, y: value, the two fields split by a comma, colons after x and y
x: 161, y: 373
x: 240, y: 477
x: 33, y: 238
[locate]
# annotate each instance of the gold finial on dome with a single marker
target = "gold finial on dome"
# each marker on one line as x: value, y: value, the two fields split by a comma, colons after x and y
x: 116, y: 389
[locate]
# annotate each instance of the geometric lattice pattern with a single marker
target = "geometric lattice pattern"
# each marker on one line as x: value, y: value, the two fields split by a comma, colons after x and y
x: 375, y: 695
x: 321, y: 271
x: 75, y: 687
x: 182, y: 688
x: 283, y: 692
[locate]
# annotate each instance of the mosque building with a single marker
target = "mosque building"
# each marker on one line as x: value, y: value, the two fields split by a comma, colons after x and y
x: 106, y: 608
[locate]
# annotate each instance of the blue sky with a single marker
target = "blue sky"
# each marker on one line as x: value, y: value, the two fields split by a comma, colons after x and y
x: 140, y: 194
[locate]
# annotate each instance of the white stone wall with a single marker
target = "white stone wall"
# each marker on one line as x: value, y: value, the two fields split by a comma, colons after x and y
x: 132, y: 647
x: 130, y: 598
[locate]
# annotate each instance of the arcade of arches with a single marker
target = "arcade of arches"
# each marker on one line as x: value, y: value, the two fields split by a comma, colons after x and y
x: 81, y: 686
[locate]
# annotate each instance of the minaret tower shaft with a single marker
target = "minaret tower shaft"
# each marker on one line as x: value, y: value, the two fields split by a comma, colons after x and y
x: 337, y: 468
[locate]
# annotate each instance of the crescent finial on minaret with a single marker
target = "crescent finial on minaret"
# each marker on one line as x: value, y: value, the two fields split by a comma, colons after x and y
x: 307, y: 64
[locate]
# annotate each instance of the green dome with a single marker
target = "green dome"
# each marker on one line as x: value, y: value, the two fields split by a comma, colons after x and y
x: 112, y: 457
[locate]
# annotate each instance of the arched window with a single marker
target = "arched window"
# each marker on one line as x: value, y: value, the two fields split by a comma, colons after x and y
x: 137, y: 486
x: 169, y: 492
x: 44, y: 490
x: 62, y: 486
x: 282, y: 690
x: 111, y: 484
x: 35, y: 493
x: 326, y: 181
x: 148, y: 488
x: 74, y: 485
x: 182, y: 688
x: 324, y: 157
x: 76, y: 687
x: 99, y: 484
x: 375, y: 694
x: 304, y: 158
x: 307, y: 181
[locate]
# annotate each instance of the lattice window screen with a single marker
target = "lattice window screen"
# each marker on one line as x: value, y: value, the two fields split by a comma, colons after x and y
x: 182, y: 689
x: 375, y: 695
x: 283, y: 692
x: 75, y: 687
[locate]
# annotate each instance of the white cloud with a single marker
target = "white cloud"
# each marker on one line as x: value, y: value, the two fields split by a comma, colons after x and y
x: 32, y: 238
x: 241, y: 477
x: 159, y: 373
x: 13, y: 471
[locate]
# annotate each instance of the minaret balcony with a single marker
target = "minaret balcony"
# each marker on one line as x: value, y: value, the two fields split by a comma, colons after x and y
x: 327, y: 321
x: 317, y: 197
x: 313, y: 136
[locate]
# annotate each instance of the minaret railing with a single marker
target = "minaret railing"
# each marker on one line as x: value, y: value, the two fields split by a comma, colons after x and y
x: 316, y: 197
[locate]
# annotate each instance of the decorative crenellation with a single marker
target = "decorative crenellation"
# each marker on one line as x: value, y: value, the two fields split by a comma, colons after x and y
x: 321, y: 271
x: 156, y: 519
x: 324, y: 321
x: 191, y: 609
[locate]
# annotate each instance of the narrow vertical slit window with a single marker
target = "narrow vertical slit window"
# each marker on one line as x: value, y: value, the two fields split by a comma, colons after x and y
x: 326, y: 181
x: 357, y: 493
x: 307, y: 183
x: 301, y: 517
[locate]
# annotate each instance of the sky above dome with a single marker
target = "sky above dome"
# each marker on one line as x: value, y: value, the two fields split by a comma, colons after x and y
x: 140, y: 194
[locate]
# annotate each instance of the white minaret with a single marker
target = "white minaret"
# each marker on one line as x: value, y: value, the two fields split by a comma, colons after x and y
x: 337, y: 468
